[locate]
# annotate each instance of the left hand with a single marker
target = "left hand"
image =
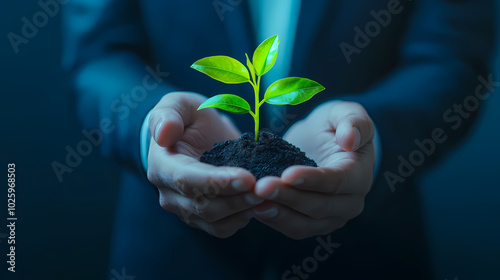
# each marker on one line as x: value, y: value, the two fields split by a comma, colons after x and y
x: 309, y: 201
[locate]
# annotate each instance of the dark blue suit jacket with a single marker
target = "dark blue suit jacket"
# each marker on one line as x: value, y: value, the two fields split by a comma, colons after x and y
x: 407, y: 74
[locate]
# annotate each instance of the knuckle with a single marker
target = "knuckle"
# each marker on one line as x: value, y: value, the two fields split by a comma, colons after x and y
x: 204, y: 213
x: 166, y: 204
x: 155, y: 179
x: 356, y: 105
x: 170, y: 97
x: 200, y: 206
x: 152, y: 176
x: 179, y: 182
x: 194, y: 208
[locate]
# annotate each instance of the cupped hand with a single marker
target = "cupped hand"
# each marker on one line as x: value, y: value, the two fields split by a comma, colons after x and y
x: 214, y: 199
x: 309, y: 201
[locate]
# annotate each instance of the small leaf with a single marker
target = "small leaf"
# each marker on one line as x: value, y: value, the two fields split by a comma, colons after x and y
x: 291, y: 91
x: 228, y: 102
x: 250, y: 67
x: 265, y: 55
x: 223, y: 68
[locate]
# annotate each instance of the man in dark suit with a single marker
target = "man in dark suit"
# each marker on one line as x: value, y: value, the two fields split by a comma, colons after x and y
x: 397, y: 64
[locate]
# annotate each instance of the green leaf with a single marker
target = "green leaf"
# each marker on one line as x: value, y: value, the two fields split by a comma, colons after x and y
x: 265, y: 55
x: 291, y: 91
x: 228, y: 102
x: 223, y: 68
x: 250, y: 67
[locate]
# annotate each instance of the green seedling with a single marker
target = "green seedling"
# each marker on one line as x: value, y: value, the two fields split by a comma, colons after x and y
x: 288, y: 91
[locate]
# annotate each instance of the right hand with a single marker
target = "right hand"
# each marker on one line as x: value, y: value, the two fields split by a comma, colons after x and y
x: 217, y: 200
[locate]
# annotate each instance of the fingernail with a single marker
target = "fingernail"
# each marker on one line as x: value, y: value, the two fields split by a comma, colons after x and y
x: 253, y: 199
x: 298, y: 182
x: 273, y: 195
x: 357, y: 142
x: 259, y: 187
x: 157, y: 130
x: 269, y: 213
x: 239, y: 185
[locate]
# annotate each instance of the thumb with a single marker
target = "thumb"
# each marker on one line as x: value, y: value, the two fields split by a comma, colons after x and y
x: 169, y: 117
x: 354, y: 128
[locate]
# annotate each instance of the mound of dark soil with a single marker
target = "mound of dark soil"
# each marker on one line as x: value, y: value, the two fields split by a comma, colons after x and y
x: 269, y: 156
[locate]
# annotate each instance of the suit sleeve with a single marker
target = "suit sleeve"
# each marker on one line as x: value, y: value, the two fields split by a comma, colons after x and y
x: 116, y: 83
x: 444, y: 58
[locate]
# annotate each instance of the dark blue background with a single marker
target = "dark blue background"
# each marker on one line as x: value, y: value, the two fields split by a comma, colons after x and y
x: 63, y: 231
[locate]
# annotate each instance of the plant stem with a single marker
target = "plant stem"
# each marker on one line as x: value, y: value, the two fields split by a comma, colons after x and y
x: 256, y: 88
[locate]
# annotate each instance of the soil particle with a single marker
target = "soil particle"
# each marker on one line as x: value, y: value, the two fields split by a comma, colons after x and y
x: 269, y: 156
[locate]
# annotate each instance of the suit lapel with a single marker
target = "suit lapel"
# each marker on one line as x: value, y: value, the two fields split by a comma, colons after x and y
x: 312, y: 14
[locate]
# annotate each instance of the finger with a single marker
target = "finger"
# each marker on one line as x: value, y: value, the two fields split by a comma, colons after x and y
x: 317, y: 205
x: 188, y: 176
x: 353, y: 126
x: 223, y: 228
x: 316, y: 179
x: 208, y: 207
x: 313, y: 204
x: 349, y: 177
x: 169, y: 117
x: 267, y: 186
x: 293, y: 224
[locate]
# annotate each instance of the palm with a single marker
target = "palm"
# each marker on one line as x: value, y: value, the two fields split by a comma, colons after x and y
x: 324, y: 147
x: 206, y: 128
x: 308, y: 201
